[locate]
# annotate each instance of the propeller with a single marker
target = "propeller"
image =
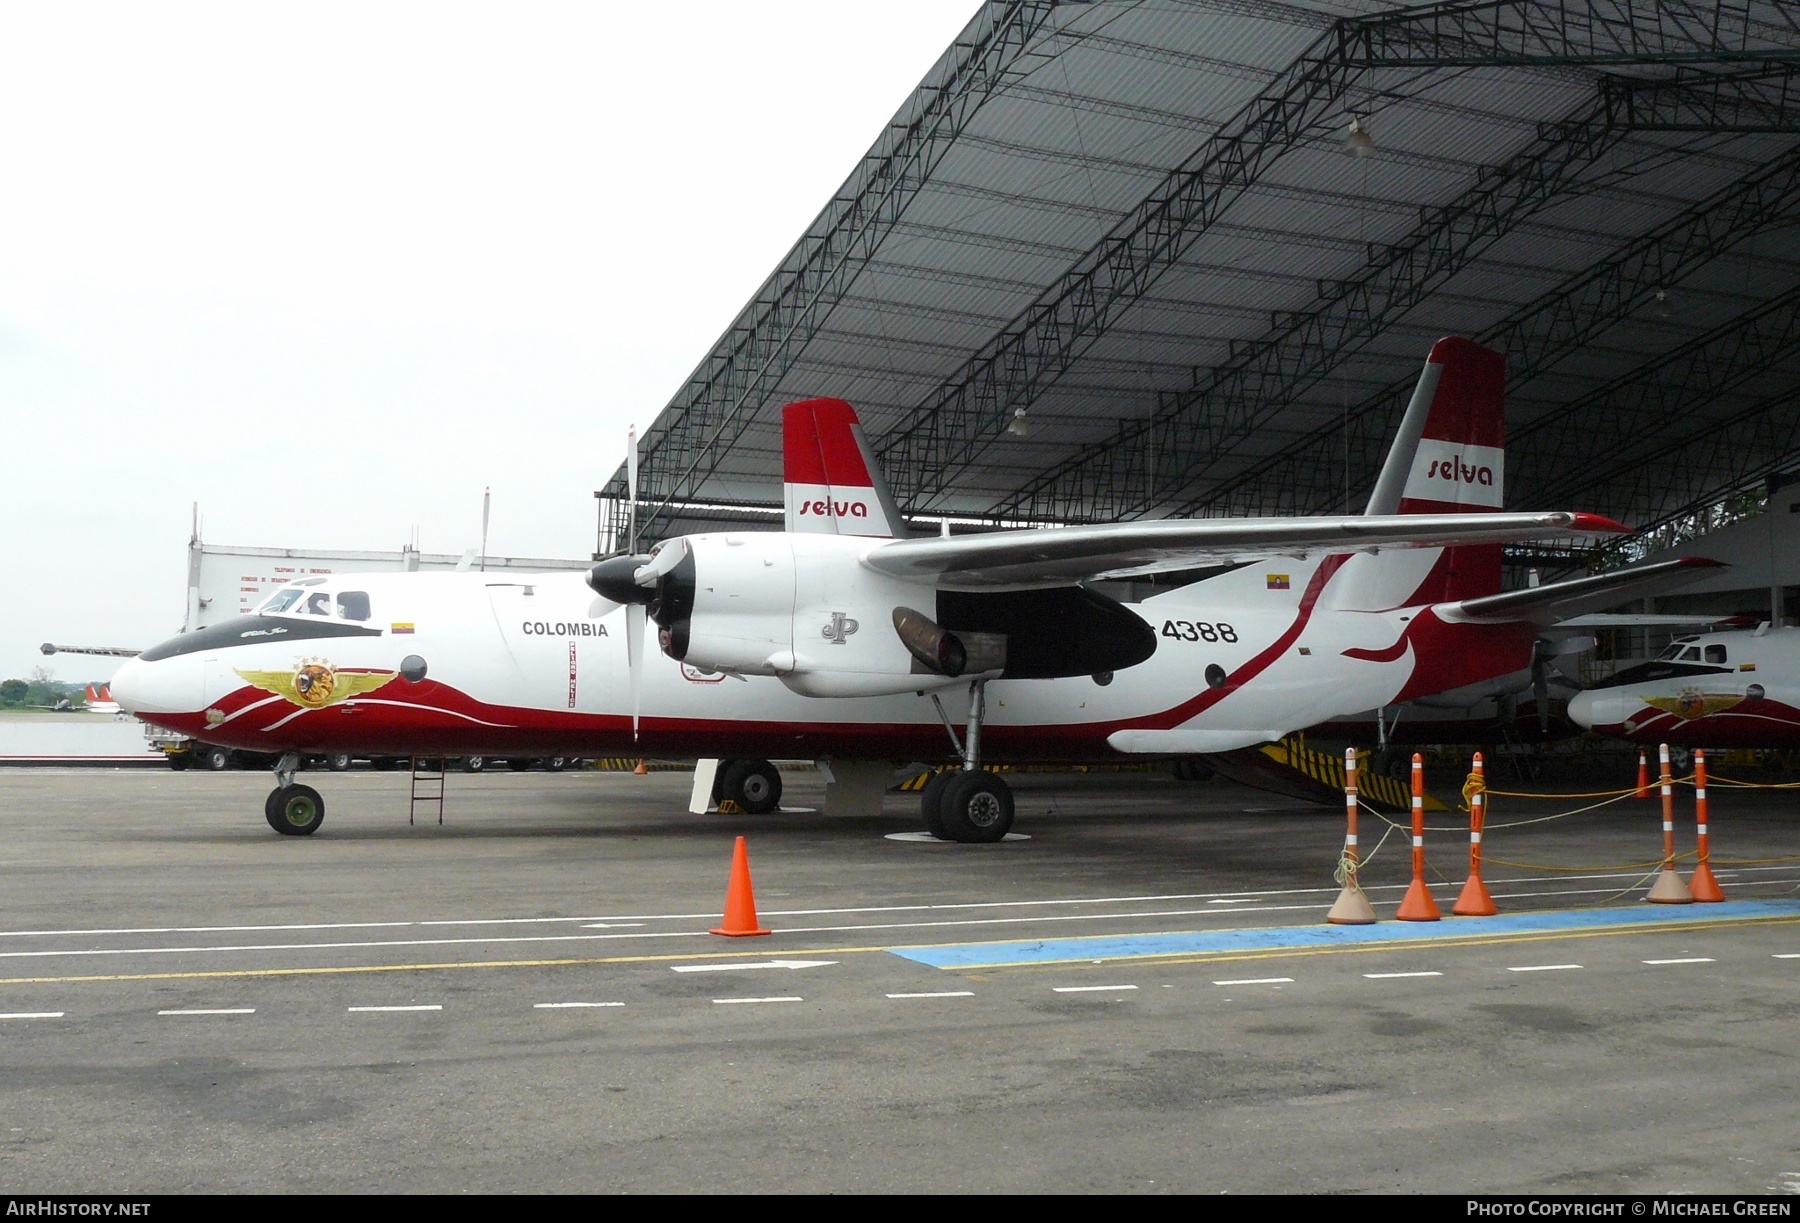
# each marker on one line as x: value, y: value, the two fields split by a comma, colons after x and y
x: 1540, y: 684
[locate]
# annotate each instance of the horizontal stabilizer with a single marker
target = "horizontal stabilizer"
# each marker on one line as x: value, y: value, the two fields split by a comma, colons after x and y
x: 1562, y: 601
x: 1063, y: 556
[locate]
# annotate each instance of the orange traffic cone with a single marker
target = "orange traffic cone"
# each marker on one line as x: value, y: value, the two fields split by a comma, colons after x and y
x: 740, y: 898
x: 1418, y: 903
x: 1475, y: 900
x: 642, y: 769
x: 1704, y: 886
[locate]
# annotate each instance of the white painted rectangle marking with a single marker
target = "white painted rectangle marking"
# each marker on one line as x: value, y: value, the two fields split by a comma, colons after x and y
x: 945, y: 993
x: 32, y: 1015
x: 731, y: 1001
x: 1394, y: 976
x: 355, y: 1009
x: 234, y: 1010
x: 1258, y: 981
x: 561, y: 1006
x: 1786, y: 955
x: 1698, y: 959
x: 1088, y: 989
x: 1540, y: 967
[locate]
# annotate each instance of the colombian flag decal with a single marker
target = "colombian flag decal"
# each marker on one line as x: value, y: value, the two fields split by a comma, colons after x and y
x: 405, y: 627
x: 1278, y: 581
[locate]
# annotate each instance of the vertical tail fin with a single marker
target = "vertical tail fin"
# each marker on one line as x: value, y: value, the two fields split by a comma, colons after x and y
x: 832, y: 485
x: 1448, y: 457
x: 1458, y: 465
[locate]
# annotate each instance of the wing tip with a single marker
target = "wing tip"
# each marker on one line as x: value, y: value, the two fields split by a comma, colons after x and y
x: 1596, y: 524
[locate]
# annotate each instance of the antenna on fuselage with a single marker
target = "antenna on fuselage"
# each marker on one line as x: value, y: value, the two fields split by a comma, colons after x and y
x: 486, y: 496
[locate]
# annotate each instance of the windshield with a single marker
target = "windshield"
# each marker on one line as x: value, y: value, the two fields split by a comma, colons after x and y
x: 296, y: 601
x: 280, y: 602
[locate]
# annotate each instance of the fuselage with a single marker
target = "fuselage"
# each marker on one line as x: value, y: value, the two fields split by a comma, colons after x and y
x: 470, y: 663
x: 1735, y: 689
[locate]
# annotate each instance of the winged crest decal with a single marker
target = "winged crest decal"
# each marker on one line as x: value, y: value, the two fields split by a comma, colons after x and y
x: 314, y: 683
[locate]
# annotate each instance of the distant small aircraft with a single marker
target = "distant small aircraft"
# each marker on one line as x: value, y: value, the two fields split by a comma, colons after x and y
x: 1729, y: 689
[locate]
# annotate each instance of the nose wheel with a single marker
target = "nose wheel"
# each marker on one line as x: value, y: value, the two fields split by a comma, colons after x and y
x: 293, y: 810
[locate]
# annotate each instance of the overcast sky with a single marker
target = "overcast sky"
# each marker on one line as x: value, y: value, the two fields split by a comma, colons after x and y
x: 331, y: 269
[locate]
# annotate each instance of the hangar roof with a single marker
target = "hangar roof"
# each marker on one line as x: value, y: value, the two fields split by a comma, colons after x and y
x: 1203, y: 246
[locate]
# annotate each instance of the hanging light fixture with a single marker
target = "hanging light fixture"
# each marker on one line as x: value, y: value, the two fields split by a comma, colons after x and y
x: 1358, y: 142
x: 1662, y: 307
x: 1019, y: 425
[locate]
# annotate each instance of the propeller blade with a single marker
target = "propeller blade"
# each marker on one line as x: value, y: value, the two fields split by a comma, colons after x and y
x: 1540, y: 687
x: 634, y: 659
x: 668, y: 554
x: 631, y: 457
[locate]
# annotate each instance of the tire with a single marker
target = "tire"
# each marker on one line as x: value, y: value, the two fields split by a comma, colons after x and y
x: 474, y: 764
x: 179, y: 762
x: 215, y: 759
x: 977, y: 808
x: 295, y: 811
x: 555, y: 764
x: 754, y: 785
x: 931, y: 800
x: 1193, y: 770
x: 518, y: 764
x: 338, y: 762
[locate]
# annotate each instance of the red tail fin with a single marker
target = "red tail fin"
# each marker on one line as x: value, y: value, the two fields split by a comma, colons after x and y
x: 1459, y: 466
x: 832, y: 486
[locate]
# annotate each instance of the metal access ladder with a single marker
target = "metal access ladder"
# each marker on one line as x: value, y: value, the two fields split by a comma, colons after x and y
x: 427, y: 787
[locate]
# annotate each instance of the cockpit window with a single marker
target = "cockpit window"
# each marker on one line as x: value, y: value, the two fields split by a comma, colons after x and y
x: 1691, y: 654
x: 280, y: 602
x: 1715, y: 653
x: 318, y: 604
x: 353, y: 604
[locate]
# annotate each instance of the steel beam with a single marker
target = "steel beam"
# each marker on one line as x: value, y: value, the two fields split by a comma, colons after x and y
x: 1534, y: 338
x: 688, y: 438
x: 1580, y: 449
x: 1151, y: 463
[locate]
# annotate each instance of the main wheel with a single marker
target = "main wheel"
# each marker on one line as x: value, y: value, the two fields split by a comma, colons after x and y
x: 977, y: 808
x: 474, y: 764
x: 754, y: 785
x: 338, y: 762
x: 930, y: 800
x: 555, y: 764
x: 217, y: 759
x: 295, y: 811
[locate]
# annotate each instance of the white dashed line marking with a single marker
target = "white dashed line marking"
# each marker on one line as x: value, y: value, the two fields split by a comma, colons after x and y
x: 361, y: 1009
x: 732, y: 1001
x: 1394, y: 976
x: 235, y: 1010
x: 1258, y: 981
x: 1786, y: 955
x: 1540, y: 967
x: 1699, y: 959
x: 32, y: 1015
x: 947, y: 993
x: 562, y: 1006
x: 1088, y: 989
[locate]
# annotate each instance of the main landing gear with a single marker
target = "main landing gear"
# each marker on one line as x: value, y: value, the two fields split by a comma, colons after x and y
x: 967, y: 804
x: 293, y: 810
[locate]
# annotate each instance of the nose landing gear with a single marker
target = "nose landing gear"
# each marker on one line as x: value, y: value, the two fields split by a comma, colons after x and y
x: 968, y: 805
x: 293, y: 810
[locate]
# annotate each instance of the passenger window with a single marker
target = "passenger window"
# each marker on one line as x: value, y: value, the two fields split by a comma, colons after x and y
x: 353, y: 605
x: 318, y: 604
x: 1715, y: 653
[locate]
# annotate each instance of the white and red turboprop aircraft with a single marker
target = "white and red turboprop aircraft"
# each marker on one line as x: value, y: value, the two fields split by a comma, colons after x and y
x: 834, y: 639
x: 1734, y: 689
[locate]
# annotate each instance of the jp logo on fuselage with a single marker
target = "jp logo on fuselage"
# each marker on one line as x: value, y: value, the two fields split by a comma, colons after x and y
x: 841, y: 626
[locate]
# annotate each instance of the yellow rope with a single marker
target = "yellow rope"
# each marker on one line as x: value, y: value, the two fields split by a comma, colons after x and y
x: 1752, y: 785
x: 1476, y: 784
x: 1611, y: 866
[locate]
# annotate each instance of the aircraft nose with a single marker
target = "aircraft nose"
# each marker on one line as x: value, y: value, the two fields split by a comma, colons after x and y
x: 151, y: 687
x: 1584, y: 709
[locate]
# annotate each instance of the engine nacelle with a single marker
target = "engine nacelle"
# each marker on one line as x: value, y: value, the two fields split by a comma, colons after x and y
x: 803, y: 607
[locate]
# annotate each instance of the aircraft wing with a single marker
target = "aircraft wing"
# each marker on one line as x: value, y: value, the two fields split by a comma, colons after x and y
x: 1062, y: 556
x: 1562, y: 601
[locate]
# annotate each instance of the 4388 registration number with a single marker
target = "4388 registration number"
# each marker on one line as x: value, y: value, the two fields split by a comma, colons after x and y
x: 1198, y: 630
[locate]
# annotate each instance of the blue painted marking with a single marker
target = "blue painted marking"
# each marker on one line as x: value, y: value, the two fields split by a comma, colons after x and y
x: 1302, y: 938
